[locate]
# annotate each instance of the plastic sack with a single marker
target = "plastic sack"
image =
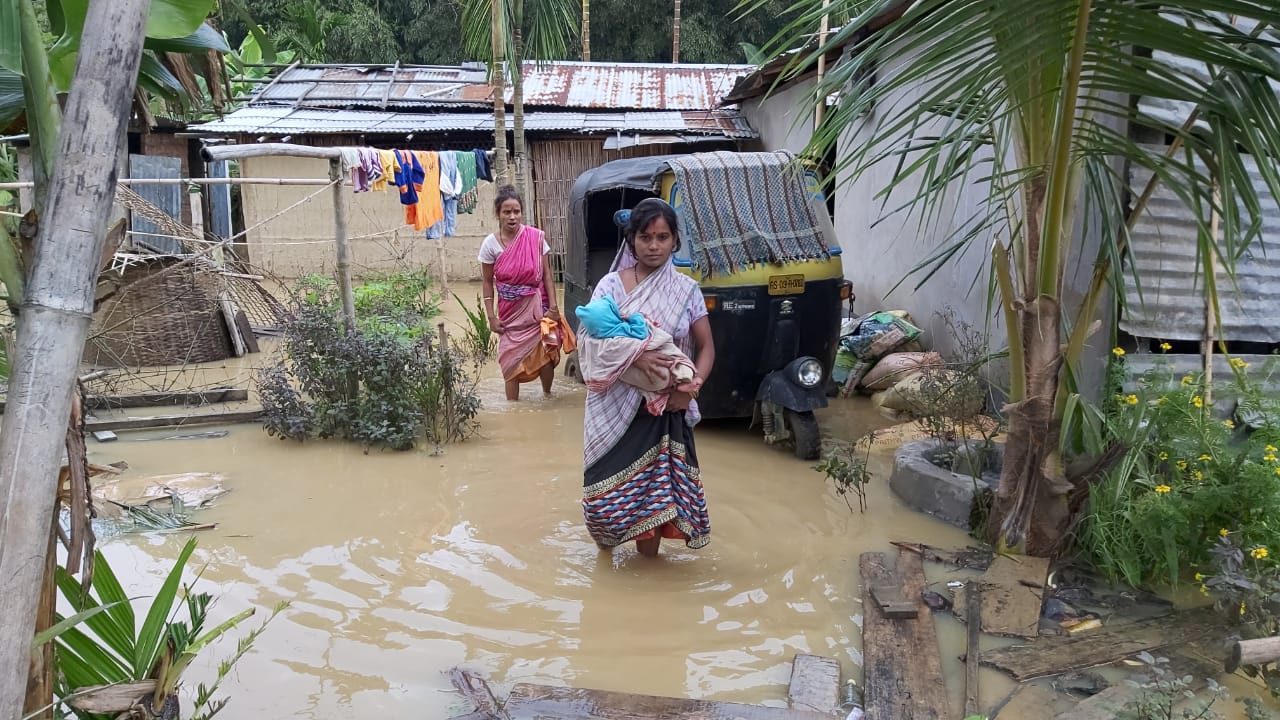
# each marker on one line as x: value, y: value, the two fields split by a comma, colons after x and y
x: 898, y: 366
x: 878, y: 335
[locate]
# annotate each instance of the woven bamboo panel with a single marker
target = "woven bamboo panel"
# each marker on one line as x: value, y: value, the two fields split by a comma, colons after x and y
x: 164, y: 315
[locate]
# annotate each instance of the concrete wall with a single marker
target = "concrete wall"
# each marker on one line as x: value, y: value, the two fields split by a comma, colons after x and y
x: 784, y: 120
x: 301, y: 240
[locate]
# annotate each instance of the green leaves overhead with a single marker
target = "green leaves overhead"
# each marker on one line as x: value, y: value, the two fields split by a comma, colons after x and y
x: 10, y: 36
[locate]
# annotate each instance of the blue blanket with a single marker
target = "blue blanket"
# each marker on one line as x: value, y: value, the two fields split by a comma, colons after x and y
x: 602, y: 319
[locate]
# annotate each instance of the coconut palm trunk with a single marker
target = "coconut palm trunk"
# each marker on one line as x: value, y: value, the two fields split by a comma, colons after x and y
x: 675, y: 34
x: 501, y: 173
x: 586, y: 30
x: 517, y: 100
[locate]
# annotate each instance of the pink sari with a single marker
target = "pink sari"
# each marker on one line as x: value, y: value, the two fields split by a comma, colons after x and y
x: 522, y: 301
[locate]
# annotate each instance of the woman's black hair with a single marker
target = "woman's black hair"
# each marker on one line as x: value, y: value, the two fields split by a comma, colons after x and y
x: 643, y: 215
x: 505, y: 193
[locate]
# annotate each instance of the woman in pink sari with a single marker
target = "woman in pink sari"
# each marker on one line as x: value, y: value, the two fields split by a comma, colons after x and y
x: 526, y: 316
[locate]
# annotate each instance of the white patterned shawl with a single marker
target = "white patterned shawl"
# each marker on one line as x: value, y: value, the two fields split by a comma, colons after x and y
x: 662, y: 297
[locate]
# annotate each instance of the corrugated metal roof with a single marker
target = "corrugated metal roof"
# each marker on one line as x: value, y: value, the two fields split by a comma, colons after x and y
x: 1171, y: 305
x: 284, y: 121
x: 635, y: 86
x: 376, y: 87
x: 582, y: 85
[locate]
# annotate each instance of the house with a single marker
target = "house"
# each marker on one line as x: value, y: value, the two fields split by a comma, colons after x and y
x: 577, y: 115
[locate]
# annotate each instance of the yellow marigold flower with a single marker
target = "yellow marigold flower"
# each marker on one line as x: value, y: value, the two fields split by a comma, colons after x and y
x: 1161, y: 400
x: 1241, y: 608
x: 1131, y: 399
x: 1258, y: 553
x: 1162, y: 489
x: 1197, y: 401
x: 1272, y: 448
x: 1199, y: 577
x: 1278, y: 471
x: 1187, y: 379
x: 1197, y: 475
x: 1224, y: 532
x: 1163, y: 456
x: 1205, y: 458
x: 1182, y: 464
x: 1271, y: 458
x: 1117, y: 351
x: 1238, y: 364
x: 1204, y: 589
x: 1228, y: 424
x: 1166, y: 346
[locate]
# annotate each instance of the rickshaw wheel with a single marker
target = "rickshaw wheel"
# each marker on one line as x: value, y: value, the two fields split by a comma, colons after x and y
x: 805, y: 433
x: 571, y: 367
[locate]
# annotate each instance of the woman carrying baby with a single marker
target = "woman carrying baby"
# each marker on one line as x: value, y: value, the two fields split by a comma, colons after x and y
x: 641, y: 480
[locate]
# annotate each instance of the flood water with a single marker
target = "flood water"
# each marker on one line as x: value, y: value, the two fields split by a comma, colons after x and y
x: 400, y: 566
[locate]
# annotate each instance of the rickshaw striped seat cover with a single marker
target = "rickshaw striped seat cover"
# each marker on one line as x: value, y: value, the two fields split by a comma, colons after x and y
x: 741, y: 209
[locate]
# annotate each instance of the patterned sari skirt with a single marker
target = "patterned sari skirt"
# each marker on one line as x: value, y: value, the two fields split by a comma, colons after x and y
x: 648, y: 485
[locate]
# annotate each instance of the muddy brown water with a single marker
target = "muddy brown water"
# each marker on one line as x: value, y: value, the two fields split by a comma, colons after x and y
x: 400, y: 566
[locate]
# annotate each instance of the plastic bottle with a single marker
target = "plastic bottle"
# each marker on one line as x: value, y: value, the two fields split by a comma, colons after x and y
x: 852, y: 701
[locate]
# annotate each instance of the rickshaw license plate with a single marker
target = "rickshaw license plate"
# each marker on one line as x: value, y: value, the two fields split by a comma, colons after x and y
x: 786, y: 284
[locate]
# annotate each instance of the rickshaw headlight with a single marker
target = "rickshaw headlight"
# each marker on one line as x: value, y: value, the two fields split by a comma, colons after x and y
x: 808, y: 372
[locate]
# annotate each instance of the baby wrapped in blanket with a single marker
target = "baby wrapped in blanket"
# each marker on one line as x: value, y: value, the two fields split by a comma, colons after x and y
x: 610, y: 344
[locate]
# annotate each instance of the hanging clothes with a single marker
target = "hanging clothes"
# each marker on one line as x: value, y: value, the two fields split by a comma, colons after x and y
x: 483, y: 170
x: 390, y: 168
x: 450, y: 189
x: 470, y: 195
x: 409, y: 180
x: 369, y: 162
x: 351, y: 164
x: 430, y: 208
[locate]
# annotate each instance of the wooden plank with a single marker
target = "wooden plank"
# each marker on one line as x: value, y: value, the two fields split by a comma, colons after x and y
x: 902, y: 666
x: 815, y: 684
x: 1054, y: 655
x: 1012, y: 595
x: 158, y: 421
x: 973, y: 633
x: 246, y: 332
x: 184, y: 398
x: 543, y: 702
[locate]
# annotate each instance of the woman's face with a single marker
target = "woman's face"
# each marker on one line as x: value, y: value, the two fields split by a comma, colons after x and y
x: 509, y: 213
x: 654, y: 244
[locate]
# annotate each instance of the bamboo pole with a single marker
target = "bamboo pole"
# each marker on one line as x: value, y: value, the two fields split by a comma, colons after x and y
x: 55, y: 320
x: 1253, y: 652
x: 973, y: 633
x: 213, y: 153
x: 1210, y: 299
x: 821, y: 106
x: 22, y: 185
x: 340, y: 243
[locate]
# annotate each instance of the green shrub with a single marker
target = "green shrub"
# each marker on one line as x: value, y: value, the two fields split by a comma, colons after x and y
x: 387, y: 383
x: 1188, y: 475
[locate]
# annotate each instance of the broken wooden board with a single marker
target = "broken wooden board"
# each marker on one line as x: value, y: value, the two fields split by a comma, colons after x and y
x: 1054, y: 655
x: 1033, y: 701
x: 181, y: 398
x: 158, y: 421
x: 246, y: 332
x: 902, y: 665
x: 1012, y: 595
x: 815, y: 684
x: 970, y: 558
x: 892, y: 604
x: 543, y: 702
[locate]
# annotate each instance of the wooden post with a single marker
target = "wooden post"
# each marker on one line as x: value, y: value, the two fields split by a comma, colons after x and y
x: 340, y: 241
x: 821, y: 107
x: 55, y: 319
x: 973, y: 631
x: 1253, y: 652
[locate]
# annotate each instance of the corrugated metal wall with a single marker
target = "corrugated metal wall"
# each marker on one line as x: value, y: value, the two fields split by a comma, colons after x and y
x: 166, y: 197
x: 1170, y: 305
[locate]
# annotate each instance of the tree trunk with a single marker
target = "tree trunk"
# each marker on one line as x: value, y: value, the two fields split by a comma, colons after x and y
x: 56, y: 315
x: 675, y: 35
x: 1030, y: 509
x: 586, y: 30
x: 517, y: 103
x: 501, y: 173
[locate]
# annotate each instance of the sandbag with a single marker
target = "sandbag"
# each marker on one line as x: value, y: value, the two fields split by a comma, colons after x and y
x: 906, y: 395
x: 898, y: 366
x: 877, y: 335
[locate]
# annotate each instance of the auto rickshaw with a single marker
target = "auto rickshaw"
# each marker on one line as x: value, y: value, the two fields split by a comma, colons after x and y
x: 776, y: 325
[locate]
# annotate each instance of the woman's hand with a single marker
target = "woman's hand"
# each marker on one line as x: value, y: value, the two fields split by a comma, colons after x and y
x: 496, y: 325
x: 692, y: 387
x: 651, y: 364
x: 678, y: 401
x: 553, y: 313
